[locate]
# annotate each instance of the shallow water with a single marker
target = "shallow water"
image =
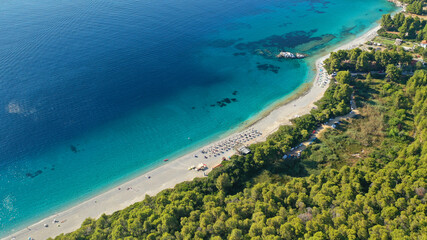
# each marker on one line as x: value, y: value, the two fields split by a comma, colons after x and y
x: 94, y: 92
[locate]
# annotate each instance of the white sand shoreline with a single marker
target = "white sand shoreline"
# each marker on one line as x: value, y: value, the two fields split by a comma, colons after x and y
x: 176, y: 171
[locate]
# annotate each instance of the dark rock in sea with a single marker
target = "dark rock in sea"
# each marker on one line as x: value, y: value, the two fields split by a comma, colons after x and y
x: 53, y: 169
x: 268, y: 67
x: 263, y: 66
x: 314, y: 9
x: 73, y: 148
x: 193, y: 108
x: 235, y: 93
x: 225, y: 101
x: 324, y: 3
x: 380, y: 10
x: 221, y: 104
x: 213, y: 105
x: 33, y: 175
x: 285, y: 24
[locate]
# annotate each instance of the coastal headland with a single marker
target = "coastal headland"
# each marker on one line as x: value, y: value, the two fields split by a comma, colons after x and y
x: 177, y: 170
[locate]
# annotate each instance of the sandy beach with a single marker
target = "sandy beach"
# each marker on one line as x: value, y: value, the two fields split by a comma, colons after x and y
x: 177, y: 170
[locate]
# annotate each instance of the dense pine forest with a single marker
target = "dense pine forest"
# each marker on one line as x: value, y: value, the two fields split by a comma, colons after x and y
x: 365, y: 179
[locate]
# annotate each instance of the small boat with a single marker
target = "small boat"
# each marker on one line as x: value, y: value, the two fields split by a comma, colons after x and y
x: 165, y: 160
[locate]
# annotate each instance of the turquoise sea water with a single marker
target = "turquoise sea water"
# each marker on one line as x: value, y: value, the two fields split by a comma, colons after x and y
x: 94, y: 92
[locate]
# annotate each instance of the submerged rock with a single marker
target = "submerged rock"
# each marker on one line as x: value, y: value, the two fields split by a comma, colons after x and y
x: 33, y: 175
x: 73, y: 148
x: 225, y: 101
x: 268, y: 67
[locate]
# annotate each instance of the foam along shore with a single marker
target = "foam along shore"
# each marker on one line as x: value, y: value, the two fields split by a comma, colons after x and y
x: 177, y: 171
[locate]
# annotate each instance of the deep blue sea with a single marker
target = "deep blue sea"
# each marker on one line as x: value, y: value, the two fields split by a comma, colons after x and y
x: 93, y: 92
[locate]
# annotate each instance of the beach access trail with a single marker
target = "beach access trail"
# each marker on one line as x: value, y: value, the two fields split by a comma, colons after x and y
x: 176, y: 170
